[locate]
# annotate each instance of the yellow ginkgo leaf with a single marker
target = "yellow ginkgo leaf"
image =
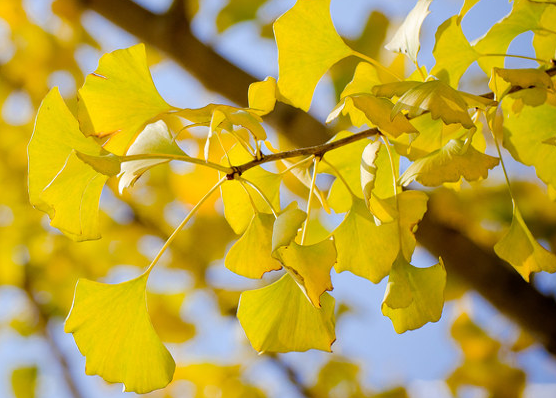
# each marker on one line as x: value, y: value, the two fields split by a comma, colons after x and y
x: 112, y: 329
x: 286, y: 227
x: 406, y: 38
x: 467, y: 5
x: 303, y: 56
x: 449, y: 164
x: 309, y: 266
x: 278, y: 318
x: 119, y: 98
x: 452, y: 52
x: 250, y: 256
x: 262, y: 96
x: 414, y: 296
x: 364, y: 248
x: 412, y: 206
x: 61, y: 184
x: 519, y: 248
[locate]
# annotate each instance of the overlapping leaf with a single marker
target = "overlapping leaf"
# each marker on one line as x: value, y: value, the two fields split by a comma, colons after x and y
x: 111, y: 327
x: 250, y: 256
x: 303, y: 56
x: 60, y: 184
x: 414, y: 296
x: 279, y: 318
x: 519, y: 248
x: 449, y: 164
x: 119, y: 98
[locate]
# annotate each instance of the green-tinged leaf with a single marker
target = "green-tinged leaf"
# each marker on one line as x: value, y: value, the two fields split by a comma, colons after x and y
x: 436, y: 97
x: 119, y: 98
x: 24, y: 382
x: 278, y: 318
x: 250, y: 256
x: 452, y: 52
x: 107, y: 163
x: 55, y: 136
x: 406, y: 39
x: 303, y: 56
x: 524, y: 136
x: 154, y: 139
x: 238, y: 209
x: 544, y: 42
x: 414, y: 296
x: 112, y: 329
x: 262, y: 96
x: 377, y: 113
x: 364, y: 248
x: 525, y: 16
x: 74, y: 195
x: 309, y: 266
x: 286, y: 227
x: 519, y: 248
x: 449, y: 164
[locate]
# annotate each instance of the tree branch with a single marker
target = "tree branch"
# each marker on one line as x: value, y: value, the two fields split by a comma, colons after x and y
x: 479, y: 267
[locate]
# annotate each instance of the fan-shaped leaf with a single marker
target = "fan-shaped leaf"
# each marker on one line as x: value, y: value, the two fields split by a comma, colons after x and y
x: 303, y: 56
x: 414, y: 296
x: 119, y: 98
x: 111, y: 327
x: 278, y: 318
x: 450, y: 164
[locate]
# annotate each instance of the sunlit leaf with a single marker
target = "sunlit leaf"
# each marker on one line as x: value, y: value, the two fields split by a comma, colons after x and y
x: 250, y: 256
x: 467, y: 5
x: 112, y: 329
x: 452, y: 52
x: 369, y: 168
x: 119, y: 98
x: 303, y: 56
x: 414, y: 296
x: 544, y: 42
x: 279, y: 318
x: 406, y: 39
x: 524, y: 136
x: 286, y: 227
x: 154, y: 139
x: 519, y: 248
x: 364, y: 248
x: 449, y: 164
x: 412, y: 206
x: 304, y: 175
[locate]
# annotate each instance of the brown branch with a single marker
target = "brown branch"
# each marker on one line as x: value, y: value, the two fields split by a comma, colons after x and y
x: 481, y: 269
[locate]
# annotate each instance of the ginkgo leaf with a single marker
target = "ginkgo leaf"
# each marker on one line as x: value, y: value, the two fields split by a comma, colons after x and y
x: 467, y: 5
x: 60, y: 184
x: 106, y: 163
x: 309, y: 266
x: 452, y: 52
x: 365, y: 249
x: 112, y: 329
x: 74, y: 195
x: 519, y: 248
x: 524, y: 136
x: 286, y: 227
x: 369, y: 168
x: 154, y: 139
x: 544, y: 43
x: 377, y: 112
x: 414, y: 296
x: 250, y: 256
x: 412, y: 206
x: 441, y: 100
x: 449, y: 164
x: 278, y: 318
x: 304, y: 175
x: 525, y: 16
x: 119, y: 98
x: 303, y: 56
x: 262, y: 96
x: 406, y: 38
x: 238, y: 209
x: 534, y: 84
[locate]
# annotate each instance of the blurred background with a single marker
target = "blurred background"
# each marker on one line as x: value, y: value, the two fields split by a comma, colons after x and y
x: 203, y: 51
